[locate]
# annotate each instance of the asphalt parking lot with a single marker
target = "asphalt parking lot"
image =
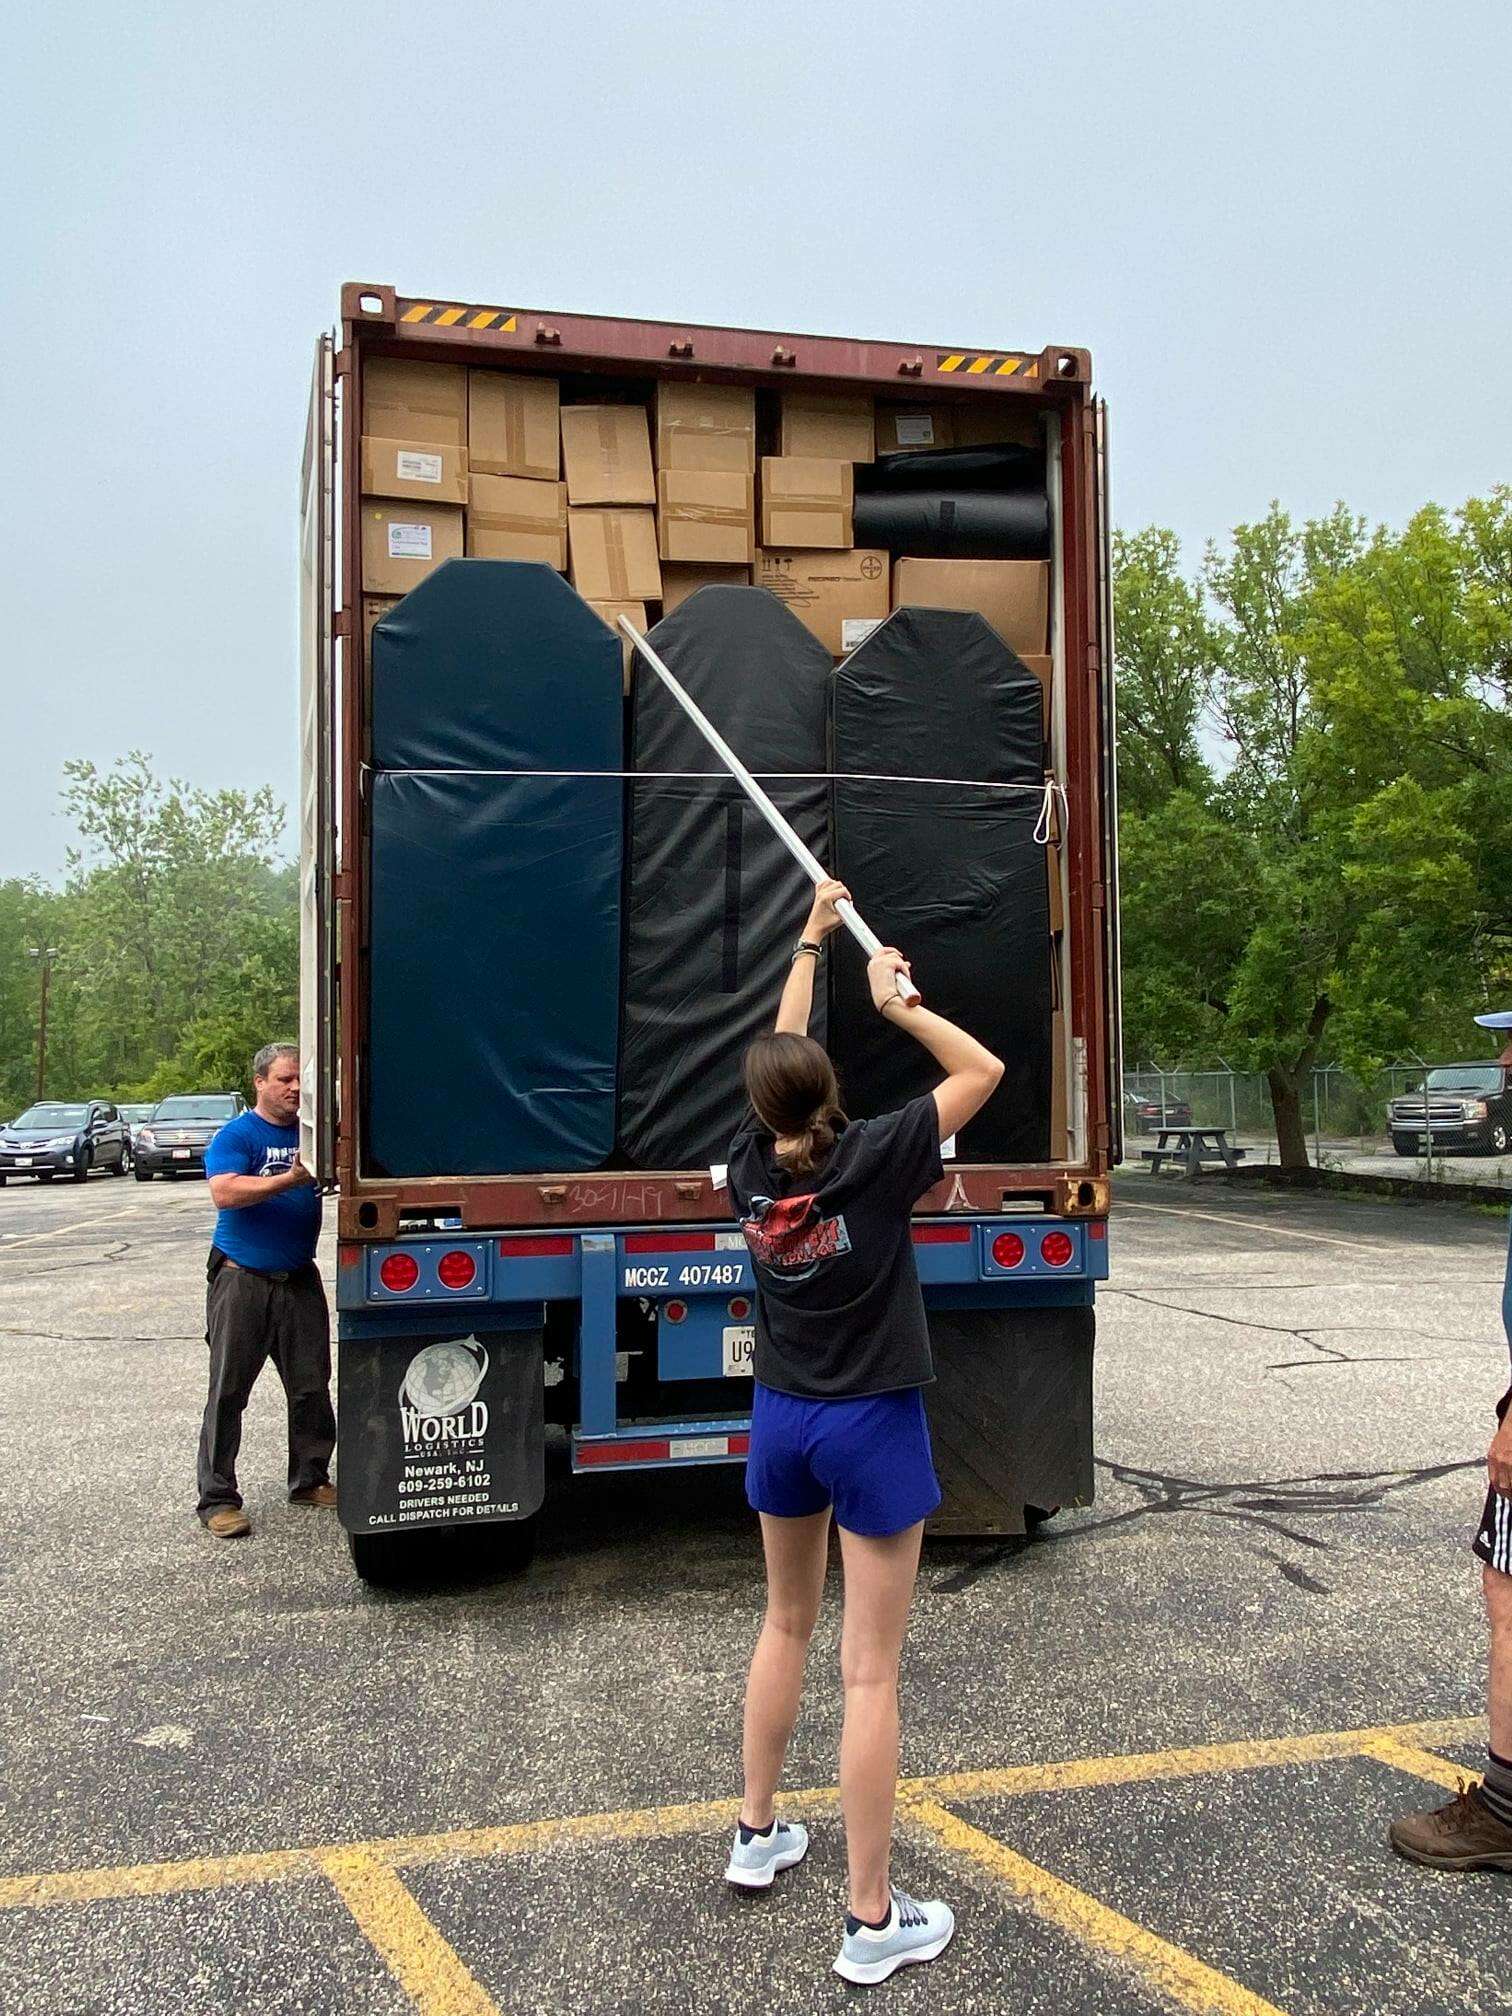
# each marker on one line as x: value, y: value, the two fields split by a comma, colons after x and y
x: 1150, y: 1757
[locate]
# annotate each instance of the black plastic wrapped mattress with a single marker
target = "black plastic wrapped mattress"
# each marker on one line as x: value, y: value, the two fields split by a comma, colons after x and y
x: 949, y: 871
x: 955, y: 525
x: 495, y: 893
x: 714, y: 904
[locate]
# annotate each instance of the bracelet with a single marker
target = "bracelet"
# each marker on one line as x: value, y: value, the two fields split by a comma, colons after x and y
x: 805, y: 946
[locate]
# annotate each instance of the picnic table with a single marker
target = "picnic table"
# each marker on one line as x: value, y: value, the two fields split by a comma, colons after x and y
x: 1192, y: 1146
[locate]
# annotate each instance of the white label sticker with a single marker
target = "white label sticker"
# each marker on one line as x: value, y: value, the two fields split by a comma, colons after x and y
x: 739, y: 1350
x: 915, y: 430
x: 855, y: 630
x: 416, y: 468
x: 729, y: 1242
x: 699, y: 1445
x: 409, y: 542
x: 947, y: 1148
x: 719, y: 1173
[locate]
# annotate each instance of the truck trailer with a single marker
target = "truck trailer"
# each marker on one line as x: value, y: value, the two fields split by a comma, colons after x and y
x: 537, y: 926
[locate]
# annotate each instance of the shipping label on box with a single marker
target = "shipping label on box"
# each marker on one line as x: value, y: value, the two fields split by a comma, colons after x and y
x: 680, y: 580
x: 834, y: 426
x: 403, y: 541
x: 606, y: 454
x: 513, y: 518
x: 611, y: 612
x: 613, y: 554
x: 706, y: 427
x: 430, y: 471
x: 514, y: 425
x: 405, y: 401
x: 826, y: 591
x: 902, y: 428
x: 1013, y: 595
x: 806, y: 501
x: 706, y: 515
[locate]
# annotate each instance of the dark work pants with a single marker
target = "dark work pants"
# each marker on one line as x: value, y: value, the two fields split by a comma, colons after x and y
x: 250, y: 1318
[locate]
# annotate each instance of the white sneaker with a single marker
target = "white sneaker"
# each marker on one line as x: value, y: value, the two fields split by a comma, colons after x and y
x: 913, y: 1932
x: 754, y: 1863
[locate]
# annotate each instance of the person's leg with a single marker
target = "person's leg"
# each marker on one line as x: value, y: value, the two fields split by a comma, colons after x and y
x: 302, y: 1353
x: 879, y: 1583
x: 797, y: 1552
x: 1498, y: 1588
x: 236, y: 1330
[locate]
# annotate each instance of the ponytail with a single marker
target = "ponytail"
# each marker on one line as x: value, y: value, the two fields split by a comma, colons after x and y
x: 791, y: 1083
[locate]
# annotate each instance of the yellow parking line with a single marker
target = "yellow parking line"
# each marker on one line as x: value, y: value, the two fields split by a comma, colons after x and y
x: 421, y: 1961
x: 155, y: 1879
x: 1170, y: 1970
x: 1420, y: 1763
x: 57, y: 1231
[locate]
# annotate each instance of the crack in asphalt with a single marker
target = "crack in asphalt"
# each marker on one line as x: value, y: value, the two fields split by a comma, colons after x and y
x: 1249, y: 1503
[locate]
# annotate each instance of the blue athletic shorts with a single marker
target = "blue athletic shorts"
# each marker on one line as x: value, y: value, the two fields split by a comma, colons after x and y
x: 868, y: 1458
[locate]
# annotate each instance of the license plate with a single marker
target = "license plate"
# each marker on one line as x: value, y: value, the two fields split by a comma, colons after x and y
x: 181, y: 1154
x: 739, y: 1351
x: 23, y: 1162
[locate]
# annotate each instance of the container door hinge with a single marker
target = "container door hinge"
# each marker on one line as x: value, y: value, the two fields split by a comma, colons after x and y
x: 343, y: 365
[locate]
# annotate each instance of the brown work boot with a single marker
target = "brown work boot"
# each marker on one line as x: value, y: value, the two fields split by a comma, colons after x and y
x: 318, y: 1494
x: 228, y: 1522
x: 1465, y: 1834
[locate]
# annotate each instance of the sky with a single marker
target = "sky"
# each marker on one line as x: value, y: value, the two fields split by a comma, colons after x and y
x: 1281, y: 229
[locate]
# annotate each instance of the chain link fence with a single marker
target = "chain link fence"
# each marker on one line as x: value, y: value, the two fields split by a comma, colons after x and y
x: 1345, y: 1117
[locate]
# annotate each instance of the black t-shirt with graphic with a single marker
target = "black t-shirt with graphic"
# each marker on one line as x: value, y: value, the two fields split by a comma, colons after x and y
x: 839, y: 1310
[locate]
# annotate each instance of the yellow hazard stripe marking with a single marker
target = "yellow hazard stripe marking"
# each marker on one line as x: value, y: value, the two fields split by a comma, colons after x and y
x: 421, y: 1961
x: 951, y: 363
x: 1170, y: 1970
x: 978, y: 365
x: 975, y: 364
x: 1007, y: 368
x: 441, y: 317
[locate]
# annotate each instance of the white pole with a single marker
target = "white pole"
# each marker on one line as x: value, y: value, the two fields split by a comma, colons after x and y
x: 815, y: 870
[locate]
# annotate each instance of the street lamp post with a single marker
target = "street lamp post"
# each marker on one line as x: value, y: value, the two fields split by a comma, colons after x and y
x: 46, y: 954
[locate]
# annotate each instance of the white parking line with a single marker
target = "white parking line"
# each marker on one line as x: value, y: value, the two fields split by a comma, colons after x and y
x: 1255, y: 1225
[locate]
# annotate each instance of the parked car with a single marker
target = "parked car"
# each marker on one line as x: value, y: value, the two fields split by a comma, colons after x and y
x: 1148, y: 1115
x: 1469, y: 1109
x: 176, y: 1134
x: 134, y: 1117
x: 65, y: 1138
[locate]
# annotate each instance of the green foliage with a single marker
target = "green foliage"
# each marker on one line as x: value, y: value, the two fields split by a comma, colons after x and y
x: 1334, y: 874
x: 176, y: 939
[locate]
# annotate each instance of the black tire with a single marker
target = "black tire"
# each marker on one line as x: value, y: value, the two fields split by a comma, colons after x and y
x: 2, y: 1182
x: 44, y: 1175
x: 82, y: 1168
x: 1497, y: 1138
x: 123, y: 1165
x: 143, y: 1175
x: 1036, y: 1516
x: 1402, y: 1147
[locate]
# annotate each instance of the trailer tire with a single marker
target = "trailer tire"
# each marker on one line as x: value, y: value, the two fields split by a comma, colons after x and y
x: 1036, y: 1516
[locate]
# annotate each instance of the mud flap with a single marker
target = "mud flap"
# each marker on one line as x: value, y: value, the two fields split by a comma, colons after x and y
x: 440, y: 1431
x: 1010, y: 1415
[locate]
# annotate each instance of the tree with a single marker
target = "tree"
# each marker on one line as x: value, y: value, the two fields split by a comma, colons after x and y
x: 1165, y: 659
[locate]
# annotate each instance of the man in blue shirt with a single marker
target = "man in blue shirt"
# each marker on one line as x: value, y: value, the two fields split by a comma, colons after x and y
x: 265, y: 1298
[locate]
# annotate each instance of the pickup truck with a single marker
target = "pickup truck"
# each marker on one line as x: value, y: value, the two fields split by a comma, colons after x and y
x: 1469, y: 1110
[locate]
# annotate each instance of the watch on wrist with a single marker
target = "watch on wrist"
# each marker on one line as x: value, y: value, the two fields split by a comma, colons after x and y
x: 807, y: 945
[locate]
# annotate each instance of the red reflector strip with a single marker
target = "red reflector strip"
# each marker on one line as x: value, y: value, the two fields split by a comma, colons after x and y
x: 601, y: 1454
x: 348, y: 1256
x: 669, y: 1242
x: 555, y: 1246
x: 942, y: 1235
x: 1097, y: 1229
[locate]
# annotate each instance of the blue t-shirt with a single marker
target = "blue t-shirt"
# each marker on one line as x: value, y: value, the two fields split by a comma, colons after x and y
x: 282, y: 1232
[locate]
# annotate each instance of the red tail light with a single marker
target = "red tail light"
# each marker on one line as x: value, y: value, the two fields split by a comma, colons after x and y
x: 1007, y: 1249
x: 399, y: 1273
x: 456, y: 1270
x: 1056, y: 1249
x: 740, y: 1308
x: 675, y: 1312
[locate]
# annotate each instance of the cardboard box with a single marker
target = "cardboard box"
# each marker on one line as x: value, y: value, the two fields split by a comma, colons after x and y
x: 614, y: 556
x: 706, y: 427
x: 611, y: 613
x: 374, y: 609
x: 835, y: 426
x: 679, y: 581
x: 1014, y: 595
x: 806, y: 501
x: 404, y: 401
x: 828, y: 591
x: 1040, y: 667
x: 989, y: 422
x: 513, y: 518
x: 403, y: 541
x: 706, y: 515
x: 606, y: 451
x: 429, y: 470
x: 900, y: 428
x: 514, y: 425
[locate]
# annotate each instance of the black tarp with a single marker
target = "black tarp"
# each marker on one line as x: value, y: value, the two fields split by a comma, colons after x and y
x: 1011, y: 467
x: 955, y: 525
x: 495, y: 896
x: 949, y: 872
x: 714, y: 904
